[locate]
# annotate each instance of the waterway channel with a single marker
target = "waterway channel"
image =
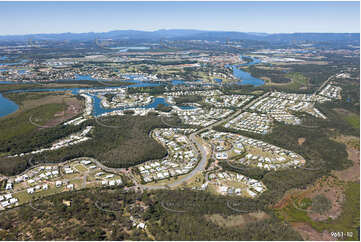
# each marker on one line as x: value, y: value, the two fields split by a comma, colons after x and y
x: 7, y: 106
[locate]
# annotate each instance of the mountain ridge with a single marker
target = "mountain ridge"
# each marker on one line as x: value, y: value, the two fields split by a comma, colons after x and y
x: 186, y: 34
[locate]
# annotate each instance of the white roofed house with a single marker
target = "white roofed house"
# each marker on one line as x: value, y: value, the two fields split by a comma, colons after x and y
x: 70, y: 186
x: 5, y: 204
x: 222, y: 156
x: 99, y: 174
x: 109, y: 176
x: 160, y: 175
x: 30, y: 190
x: 141, y: 225
x: 85, y: 162
x: 68, y: 170
x: 9, y: 186
x: 223, y: 189
x: 251, y: 193
x: 258, y: 188
x: 58, y: 183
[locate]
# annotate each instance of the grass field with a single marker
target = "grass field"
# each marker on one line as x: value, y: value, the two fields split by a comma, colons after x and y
x: 27, y: 101
x: 20, y: 124
x: 64, y: 84
x: 80, y: 168
x: 196, y: 181
x: 298, y: 81
x: 78, y: 183
x: 25, y: 197
x: 167, y: 181
x: 7, y: 87
x: 21, y: 130
x: 354, y: 120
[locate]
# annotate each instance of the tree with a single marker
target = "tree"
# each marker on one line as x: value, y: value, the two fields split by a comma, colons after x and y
x: 321, y: 204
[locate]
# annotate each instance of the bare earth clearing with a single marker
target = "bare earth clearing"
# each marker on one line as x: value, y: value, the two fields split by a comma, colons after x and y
x: 301, y: 141
x: 236, y: 220
x: 308, y: 233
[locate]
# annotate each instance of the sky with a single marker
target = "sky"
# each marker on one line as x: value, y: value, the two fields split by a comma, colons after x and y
x: 268, y: 17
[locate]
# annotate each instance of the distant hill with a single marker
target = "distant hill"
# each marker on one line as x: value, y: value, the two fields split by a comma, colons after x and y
x: 116, y: 34
x: 188, y: 34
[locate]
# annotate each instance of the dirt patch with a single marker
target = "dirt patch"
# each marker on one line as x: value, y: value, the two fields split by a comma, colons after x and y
x: 236, y: 220
x: 308, y: 233
x: 287, y: 199
x: 301, y: 140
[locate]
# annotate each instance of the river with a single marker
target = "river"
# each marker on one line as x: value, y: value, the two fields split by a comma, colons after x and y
x: 7, y: 106
x: 245, y: 77
x: 98, y: 109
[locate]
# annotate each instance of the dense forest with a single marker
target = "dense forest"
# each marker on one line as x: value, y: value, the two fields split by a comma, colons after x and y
x: 105, y: 214
x: 115, y: 142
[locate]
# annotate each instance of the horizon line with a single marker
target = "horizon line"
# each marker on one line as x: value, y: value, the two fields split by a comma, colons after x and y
x: 166, y: 29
